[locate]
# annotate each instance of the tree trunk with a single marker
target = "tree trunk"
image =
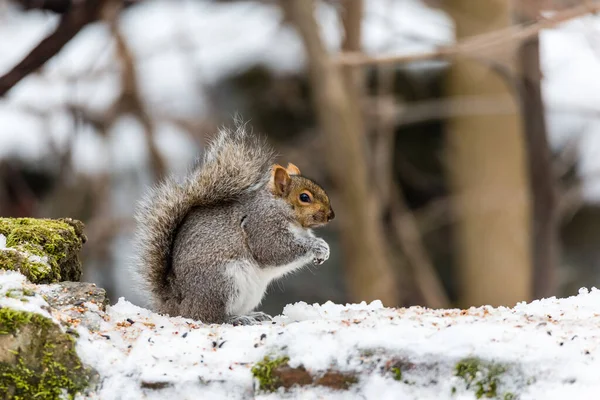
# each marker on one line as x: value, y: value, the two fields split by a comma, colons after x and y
x: 541, y: 176
x: 488, y: 171
x: 369, y: 273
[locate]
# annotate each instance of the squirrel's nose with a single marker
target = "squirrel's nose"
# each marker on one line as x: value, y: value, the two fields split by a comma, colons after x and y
x: 331, y: 215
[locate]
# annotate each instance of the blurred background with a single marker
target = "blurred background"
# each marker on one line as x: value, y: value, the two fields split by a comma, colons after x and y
x: 459, y: 139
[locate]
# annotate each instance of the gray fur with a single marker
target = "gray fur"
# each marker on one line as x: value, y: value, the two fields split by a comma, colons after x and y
x: 220, y: 232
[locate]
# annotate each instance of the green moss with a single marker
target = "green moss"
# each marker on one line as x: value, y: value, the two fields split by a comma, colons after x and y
x: 397, y: 373
x: 483, y: 377
x: 13, y: 294
x: 11, y: 320
x: 45, y: 364
x: 55, y: 241
x: 396, y: 366
x: 24, y: 383
x: 509, y: 396
x: 263, y: 371
x: 19, y: 293
x: 34, y: 271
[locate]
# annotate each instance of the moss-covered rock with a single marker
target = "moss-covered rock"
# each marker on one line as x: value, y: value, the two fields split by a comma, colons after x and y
x: 13, y: 320
x: 37, y: 359
x: 43, y: 250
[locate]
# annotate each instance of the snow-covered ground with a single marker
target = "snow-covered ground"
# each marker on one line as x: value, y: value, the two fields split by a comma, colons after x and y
x: 549, y: 349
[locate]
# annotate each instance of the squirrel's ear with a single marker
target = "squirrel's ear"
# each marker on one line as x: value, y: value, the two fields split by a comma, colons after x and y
x: 281, y: 180
x: 273, y: 169
x: 292, y: 169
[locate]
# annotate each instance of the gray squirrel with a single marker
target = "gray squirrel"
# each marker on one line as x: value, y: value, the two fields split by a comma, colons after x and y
x: 208, y: 247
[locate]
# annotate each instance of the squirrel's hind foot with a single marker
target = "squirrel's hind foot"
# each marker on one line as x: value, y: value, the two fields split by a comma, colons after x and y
x: 250, y: 319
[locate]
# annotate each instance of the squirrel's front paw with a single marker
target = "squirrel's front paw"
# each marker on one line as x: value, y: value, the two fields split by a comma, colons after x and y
x: 320, y: 251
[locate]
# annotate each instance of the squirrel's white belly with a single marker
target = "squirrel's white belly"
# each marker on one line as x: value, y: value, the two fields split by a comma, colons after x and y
x: 250, y: 283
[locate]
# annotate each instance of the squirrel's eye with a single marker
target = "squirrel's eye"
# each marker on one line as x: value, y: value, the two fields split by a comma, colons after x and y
x: 304, y: 198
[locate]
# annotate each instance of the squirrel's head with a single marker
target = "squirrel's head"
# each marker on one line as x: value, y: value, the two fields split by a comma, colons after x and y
x: 309, y: 201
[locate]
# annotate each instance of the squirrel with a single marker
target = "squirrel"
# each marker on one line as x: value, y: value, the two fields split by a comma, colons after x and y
x: 208, y: 247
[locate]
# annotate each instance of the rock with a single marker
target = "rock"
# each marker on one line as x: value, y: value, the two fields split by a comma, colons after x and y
x: 76, y: 303
x: 37, y: 359
x: 67, y: 294
x: 44, y: 250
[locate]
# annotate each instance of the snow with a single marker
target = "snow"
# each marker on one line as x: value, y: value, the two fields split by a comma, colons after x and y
x: 38, y: 259
x: 11, y: 281
x: 31, y: 257
x: 553, y: 340
x: 570, y: 59
x: 550, y: 348
x: 326, y: 336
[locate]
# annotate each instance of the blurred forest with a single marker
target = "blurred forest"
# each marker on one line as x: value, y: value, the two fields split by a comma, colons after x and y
x: 458, y: 139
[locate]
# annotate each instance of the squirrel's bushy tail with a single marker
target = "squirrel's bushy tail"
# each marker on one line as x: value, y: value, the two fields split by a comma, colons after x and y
x: 235, y: 162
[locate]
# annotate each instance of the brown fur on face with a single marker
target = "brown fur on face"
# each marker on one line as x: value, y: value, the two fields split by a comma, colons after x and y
x: 309, y: 201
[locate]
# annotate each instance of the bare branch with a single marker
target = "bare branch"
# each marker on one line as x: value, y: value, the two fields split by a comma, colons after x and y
x: 70, y: 24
